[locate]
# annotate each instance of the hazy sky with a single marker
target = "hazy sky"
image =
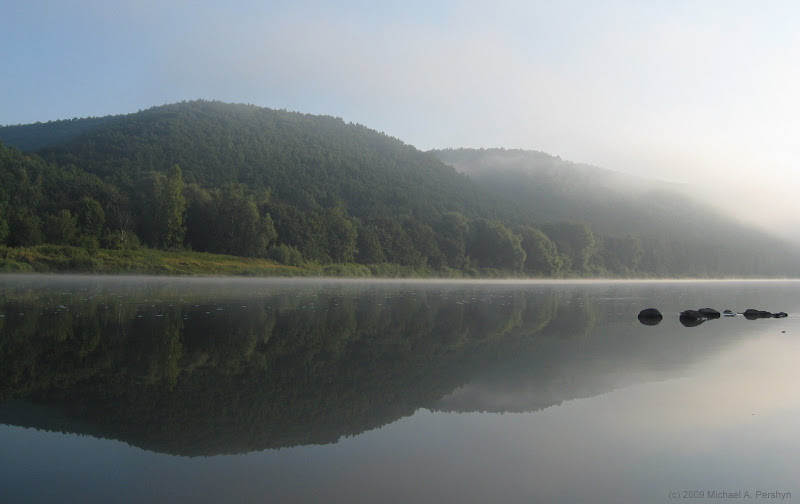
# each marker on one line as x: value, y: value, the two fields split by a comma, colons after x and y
x: 703, y: 92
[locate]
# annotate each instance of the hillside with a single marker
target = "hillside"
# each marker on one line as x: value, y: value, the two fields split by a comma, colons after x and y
x: 31, y: 137
x: 250, y: 181
x: 308, y: 161
x: 615, y: 205
x: 303, y: 181
x: 557, y: 190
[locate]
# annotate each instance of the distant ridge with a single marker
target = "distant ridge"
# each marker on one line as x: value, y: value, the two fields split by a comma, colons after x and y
x: 31, y: 137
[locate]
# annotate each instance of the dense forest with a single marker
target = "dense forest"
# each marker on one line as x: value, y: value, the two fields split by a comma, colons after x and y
x: 302, y: 189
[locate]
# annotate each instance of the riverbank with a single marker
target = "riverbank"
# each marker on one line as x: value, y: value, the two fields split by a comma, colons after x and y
x: 65, y: 259
x: 144, y: 261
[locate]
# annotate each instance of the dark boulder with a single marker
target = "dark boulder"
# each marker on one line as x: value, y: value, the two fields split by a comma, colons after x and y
x: 692, y: 318
x: 728, y: 313
x: 780, y: 315
x: 751, y: 314
x: 650, y: 316
x: 709, y: 313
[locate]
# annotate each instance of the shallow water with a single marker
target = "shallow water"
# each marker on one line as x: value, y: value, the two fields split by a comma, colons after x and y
x: 196, y: 390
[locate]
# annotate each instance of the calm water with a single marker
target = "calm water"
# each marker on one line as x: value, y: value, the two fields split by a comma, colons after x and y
x: 188, y: 390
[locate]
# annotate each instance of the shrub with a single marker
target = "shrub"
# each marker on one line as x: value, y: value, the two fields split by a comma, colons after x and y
x: 89, y: 243
x: 285, y: 254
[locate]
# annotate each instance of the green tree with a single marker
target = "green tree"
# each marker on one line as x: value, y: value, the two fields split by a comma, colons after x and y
x: 494, y: 246
x: 541, y: 254
x: 24, y: 229
x: 302, y: 230
x: 451, y: 236
x: 369, y: 245
x: 397, y: 245
x: 424, y: 240
x: 341, y: 235
x: 3, y: 227
x: 61, y: 228
x: 121, y: 235
x: 90, y: 218
x: 239, y: 228
x: 622, y: 254
x: 199, y: 218
x: 149, y: 190
x: 163, y: 208
x: 173, y: 209
x: 285, y: 254
x: 576, y: 241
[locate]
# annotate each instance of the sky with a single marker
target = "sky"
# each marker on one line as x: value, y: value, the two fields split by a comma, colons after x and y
x: 703, y: 93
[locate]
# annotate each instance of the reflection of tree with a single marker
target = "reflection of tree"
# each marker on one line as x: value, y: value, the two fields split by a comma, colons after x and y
x: 573, y: 318
x: 188, y: 376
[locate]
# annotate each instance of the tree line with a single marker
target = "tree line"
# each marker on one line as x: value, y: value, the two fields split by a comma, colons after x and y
x: 41, y: 203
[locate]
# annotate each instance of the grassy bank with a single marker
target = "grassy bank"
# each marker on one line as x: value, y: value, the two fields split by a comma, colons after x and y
x: 63, y: 259
x: 144, y: 261
x: 67, y: 259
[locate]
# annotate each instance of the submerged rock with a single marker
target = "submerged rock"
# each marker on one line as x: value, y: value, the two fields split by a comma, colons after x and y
x: 780, y: 315
x: 650, y: 316
x: 729, y: 313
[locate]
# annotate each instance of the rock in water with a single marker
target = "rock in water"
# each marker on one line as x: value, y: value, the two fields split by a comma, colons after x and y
x: 650, y: 316
x: 709, y: 313
x: 751, y: 314
x: 692, y: 318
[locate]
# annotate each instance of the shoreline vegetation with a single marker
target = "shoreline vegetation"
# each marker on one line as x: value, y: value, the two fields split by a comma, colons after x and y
x: 59, y: 259
x: 146, y: 261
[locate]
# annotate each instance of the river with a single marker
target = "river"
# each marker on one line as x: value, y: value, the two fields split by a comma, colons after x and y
x: 139, y: 389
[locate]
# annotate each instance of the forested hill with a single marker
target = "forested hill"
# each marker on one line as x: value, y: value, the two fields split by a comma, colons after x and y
x: 310, y: 162
x: 610, y: 202
x: 30, y: 137
x: 614, y: 204
x: 251, y: 181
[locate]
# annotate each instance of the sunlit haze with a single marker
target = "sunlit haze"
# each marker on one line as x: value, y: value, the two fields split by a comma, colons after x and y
x: 699, y: 93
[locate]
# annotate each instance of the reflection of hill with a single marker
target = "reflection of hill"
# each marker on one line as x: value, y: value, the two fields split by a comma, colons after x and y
x: 250, y: 374
x: 612, y: 356
x: 171, y: 371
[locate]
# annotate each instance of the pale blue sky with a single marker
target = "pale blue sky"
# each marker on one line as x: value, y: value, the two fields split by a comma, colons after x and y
x: 684, y: 91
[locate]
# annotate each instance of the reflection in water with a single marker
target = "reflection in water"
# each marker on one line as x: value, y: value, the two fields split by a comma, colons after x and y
x: 187, y: 373
x: 468, y: 375
x: 196, y: 368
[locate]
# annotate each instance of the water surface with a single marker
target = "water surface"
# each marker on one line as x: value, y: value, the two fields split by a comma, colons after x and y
x: 148, y: 389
